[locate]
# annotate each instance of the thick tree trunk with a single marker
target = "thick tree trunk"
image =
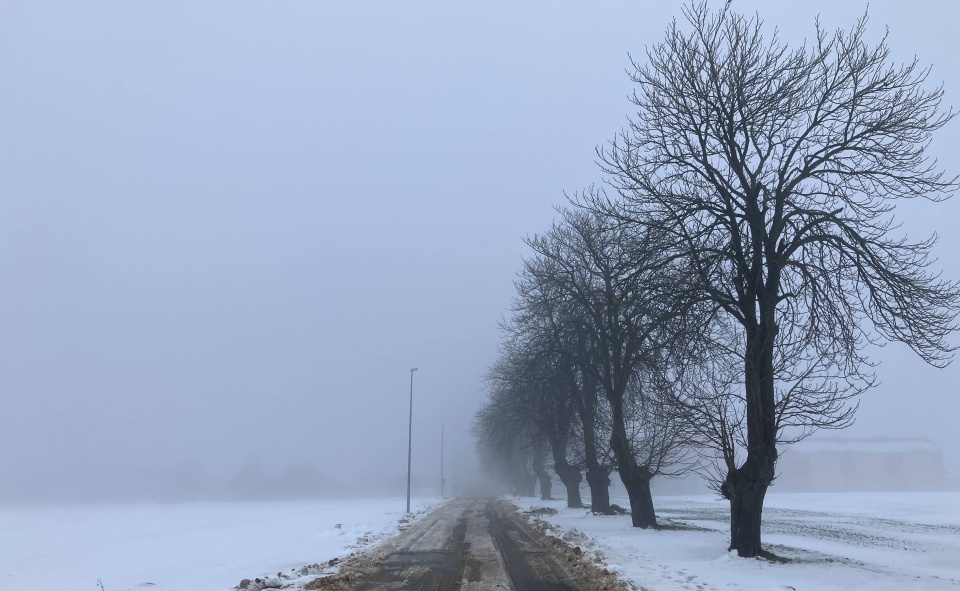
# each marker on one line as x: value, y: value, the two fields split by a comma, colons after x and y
x: 546, y: 485
x: 518, y: 482
x: 524, y: 481
x: 531, y: 490
x: 599, y: 481
x: 570, y: 477
x: 636, y: 479
x: 598, y: 478
x: 569, y: 474
x: 746, y: 507
x: 746, y: 487
x: 528, y: 480
x: 642, y: 513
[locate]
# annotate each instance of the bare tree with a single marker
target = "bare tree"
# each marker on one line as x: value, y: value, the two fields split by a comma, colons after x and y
x: 528, y: 383
x: 775, y: 172
x: 549, y: 325
x: 616, y: 277
x: 594, y: 420
x: 505, y: 441
x: 539, y: 465
x: 658, y: 432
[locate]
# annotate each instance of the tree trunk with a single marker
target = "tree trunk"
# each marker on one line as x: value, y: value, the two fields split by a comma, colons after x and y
x: 524, y: 481
x: 746, y: 507
x: 642, y: 513
x: 636, y: 479
x: 531, y: 490
x: 570, y: 477
x: 528, y: 480
x: 598, y: 478
x: 599, y: 481
x: 746, y: 486
x: 517, y: 480
x: 569, y: 474
x: 546, y: 485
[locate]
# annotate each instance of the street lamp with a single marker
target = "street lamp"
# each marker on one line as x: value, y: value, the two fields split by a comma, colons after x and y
x: 410, y: 438
x: 442, y: 480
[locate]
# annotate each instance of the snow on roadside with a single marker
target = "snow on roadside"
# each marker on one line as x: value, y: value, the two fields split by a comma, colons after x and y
x: 186, y: 547
x: 877, y: 541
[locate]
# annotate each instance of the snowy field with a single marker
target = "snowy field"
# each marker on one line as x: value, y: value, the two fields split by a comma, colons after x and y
x: 183, y: 547
x: 834, y: 541
x: 877, y: 541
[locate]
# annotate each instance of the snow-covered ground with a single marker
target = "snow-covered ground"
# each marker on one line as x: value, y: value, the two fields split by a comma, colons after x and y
x: 877, y: 541
x: 181, y: 547
x: 834, y: 541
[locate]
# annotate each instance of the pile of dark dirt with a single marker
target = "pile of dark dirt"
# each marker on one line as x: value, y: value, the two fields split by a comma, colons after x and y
x: 541, y: 511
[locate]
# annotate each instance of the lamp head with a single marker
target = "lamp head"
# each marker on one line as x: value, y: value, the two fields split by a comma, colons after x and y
x: 413, y: 369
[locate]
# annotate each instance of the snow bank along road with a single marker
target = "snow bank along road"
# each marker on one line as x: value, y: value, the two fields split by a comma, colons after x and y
x: 832, y: 541
x: 467, y: 545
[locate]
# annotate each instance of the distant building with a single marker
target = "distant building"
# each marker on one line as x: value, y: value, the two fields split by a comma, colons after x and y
x: 882, y: 463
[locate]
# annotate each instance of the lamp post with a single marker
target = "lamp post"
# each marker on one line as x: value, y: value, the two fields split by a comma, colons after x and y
x: 442, y: 480
x: 410, y: 438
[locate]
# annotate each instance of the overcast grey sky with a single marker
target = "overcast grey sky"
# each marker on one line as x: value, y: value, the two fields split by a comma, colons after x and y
x: 228, y: 229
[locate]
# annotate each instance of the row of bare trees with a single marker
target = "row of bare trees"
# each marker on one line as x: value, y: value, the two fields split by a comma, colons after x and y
x: 715, y: 300
x: 586, y: 358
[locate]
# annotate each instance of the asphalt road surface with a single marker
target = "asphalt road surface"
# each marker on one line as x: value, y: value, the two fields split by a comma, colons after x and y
x: 466, y: 544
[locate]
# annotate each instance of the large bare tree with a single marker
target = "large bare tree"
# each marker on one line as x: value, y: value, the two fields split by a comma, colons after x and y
x: 775, y: 171
x: 549, y: 324
x: 507, y: 441
x: 531, y: 383
x: 617, y: 279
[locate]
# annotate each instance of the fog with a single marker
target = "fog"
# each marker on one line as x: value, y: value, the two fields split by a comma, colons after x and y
x: 229, y: 229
